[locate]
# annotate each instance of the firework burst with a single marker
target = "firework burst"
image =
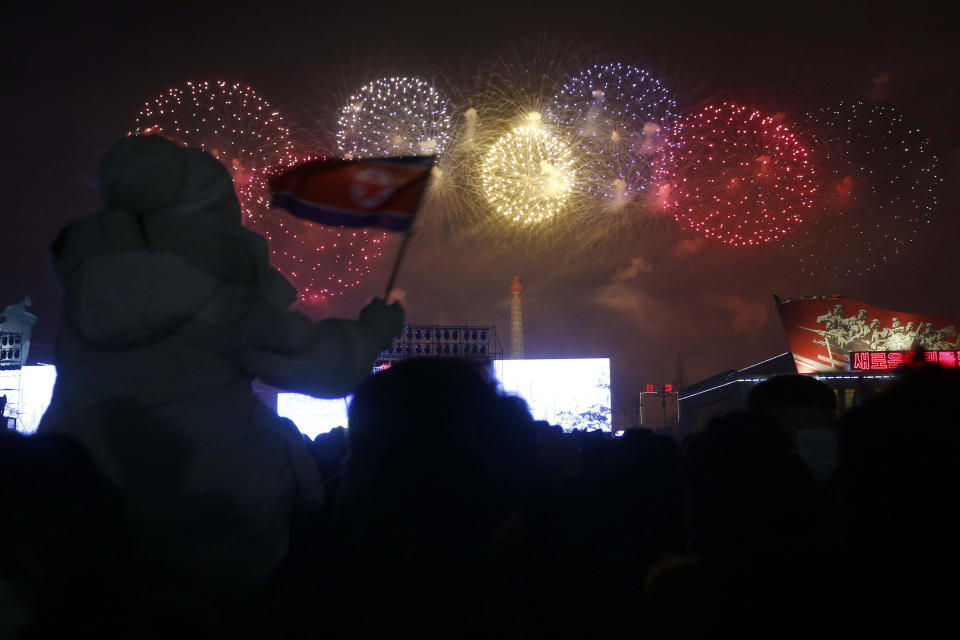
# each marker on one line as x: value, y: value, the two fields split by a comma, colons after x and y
x: 230, y: 121
x: 880, y: 190
x: 394, y: 117
x: 619, y: 114
x: 528, y: 174
x: 240, y: 129
x: 528, y: 79
x: 736, y: 176
x: 321, y: 261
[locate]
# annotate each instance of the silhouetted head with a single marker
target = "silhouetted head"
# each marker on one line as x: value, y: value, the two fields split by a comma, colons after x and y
x: 421, y: 410
x: 744, y: 484
x: 897, y: 488
x: 142, y: 174
x: 900, y: 453
x: 794, y: 401
x: 151, y: 175
x: 434, y: 454
x: 207, y: 193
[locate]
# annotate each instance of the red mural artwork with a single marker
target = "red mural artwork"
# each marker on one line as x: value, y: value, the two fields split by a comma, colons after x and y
x: 824, y: 332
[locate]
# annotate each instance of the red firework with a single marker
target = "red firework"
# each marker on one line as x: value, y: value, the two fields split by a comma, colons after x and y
x: 737, y: 176
x: 320, y: 261
x: 249, y: 137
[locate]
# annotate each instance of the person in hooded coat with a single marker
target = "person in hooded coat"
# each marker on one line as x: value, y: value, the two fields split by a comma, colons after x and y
x: 171, y: 309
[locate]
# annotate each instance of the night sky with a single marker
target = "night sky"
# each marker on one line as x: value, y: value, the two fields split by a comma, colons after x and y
x: 76, y: 76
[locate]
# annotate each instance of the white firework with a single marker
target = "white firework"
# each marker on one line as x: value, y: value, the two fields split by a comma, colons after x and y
x: 394, y: 117
x: 619, y: 115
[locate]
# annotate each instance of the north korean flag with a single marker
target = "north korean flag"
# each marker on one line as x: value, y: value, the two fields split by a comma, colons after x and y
x: 372, y: 192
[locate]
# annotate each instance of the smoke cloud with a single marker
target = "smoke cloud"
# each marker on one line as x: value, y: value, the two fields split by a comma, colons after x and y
x: 748, y: 316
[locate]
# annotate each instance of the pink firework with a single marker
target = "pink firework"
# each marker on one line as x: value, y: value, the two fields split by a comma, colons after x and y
x: 250, y: 138
x: 320, y: 261
x: 734, y: 175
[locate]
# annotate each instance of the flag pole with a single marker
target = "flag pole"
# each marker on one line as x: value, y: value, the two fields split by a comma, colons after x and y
x: 396, y: 264
x: 406, y: 239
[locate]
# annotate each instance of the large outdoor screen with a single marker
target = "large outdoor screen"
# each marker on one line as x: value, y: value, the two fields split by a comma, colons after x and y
x: 574, y: 394
x: 28, y: 392
x: 313, y: 416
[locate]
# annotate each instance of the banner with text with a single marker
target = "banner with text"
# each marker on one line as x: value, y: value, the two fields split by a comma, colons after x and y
x: 824, y: 331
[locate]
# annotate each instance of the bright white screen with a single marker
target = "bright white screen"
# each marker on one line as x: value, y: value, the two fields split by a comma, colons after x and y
x: 28, y: 392
x: 574, y: 394
x: 34, y: 384
x: 313, y: 416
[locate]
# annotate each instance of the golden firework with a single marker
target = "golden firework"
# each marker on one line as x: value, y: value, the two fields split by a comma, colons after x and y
x: 528, y: 174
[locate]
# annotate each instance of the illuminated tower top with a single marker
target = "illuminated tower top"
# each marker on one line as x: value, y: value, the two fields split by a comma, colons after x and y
x: 516, y: 320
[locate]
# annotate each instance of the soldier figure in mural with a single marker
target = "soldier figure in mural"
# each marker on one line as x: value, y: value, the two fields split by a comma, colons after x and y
x: 835, y: 333
x: 833, y: 319
x: 858, y: 332
x: 900, y: 338
x: 876, y: 335
x: 859, y: 325
x: 933, y: 339
x: 843, y: 335
x: 896, y: 327
x: 913, y: 332
x: 926, y: 336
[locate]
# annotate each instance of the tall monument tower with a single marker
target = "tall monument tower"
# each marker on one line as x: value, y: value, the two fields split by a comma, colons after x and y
x: 516, y: 320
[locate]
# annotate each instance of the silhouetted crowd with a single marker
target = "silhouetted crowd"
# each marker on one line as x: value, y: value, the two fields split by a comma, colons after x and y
x: 449, y: 511
x: 161, y: 498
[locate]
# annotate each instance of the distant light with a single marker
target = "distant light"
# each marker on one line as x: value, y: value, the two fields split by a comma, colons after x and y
x: 28, y: 392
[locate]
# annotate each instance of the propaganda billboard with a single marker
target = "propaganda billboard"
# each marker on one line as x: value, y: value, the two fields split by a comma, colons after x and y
x: 823, y: 331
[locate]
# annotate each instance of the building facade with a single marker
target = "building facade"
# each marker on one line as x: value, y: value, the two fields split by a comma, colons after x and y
x: 728, y: 391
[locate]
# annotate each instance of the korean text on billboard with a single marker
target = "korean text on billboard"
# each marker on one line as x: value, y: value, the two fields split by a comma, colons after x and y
x: 888, y: 360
